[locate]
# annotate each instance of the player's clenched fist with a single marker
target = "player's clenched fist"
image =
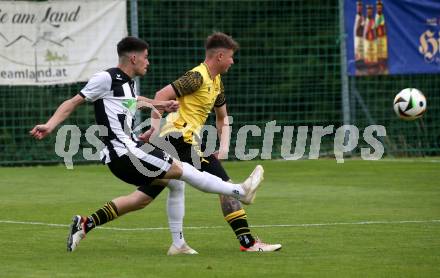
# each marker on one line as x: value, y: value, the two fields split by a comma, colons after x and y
x: 40, y: 131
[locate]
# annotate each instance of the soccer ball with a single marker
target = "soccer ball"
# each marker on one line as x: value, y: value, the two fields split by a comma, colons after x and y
x: 409, y: 104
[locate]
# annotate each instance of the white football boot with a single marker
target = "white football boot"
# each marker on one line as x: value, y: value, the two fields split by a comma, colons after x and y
x: 185, y: 249
x: 251, y: 184
x: 260, y: 246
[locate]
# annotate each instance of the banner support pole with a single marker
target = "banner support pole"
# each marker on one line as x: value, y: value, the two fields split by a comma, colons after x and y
x: 134, y: 26
x: 345, y: 96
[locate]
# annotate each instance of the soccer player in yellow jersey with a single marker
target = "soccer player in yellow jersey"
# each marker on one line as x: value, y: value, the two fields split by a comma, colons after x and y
x: 198, y: 92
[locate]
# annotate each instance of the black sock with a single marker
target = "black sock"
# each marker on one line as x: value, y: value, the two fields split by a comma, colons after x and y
x: 238, y: 222
x: 103, y: 215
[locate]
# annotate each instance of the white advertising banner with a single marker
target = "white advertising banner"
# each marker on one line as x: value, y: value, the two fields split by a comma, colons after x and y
x: 56, y: 42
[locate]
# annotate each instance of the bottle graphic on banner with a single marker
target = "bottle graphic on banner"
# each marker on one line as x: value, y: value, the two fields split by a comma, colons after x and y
x: 370, y: 46
x: 382, y: 43
x: 358, y: 34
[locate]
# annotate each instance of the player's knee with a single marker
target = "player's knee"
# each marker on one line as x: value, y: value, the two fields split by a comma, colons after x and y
x: 142, y: 203
x: 175, y: 171
x: 141, y: 200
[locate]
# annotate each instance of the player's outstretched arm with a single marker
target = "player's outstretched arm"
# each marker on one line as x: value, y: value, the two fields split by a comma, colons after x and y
x: 166, y: 95
x: 157, y: 105
x: 63, y: 111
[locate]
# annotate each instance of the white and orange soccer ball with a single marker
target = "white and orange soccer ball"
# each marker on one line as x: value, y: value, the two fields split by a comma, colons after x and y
x: 410, y: 104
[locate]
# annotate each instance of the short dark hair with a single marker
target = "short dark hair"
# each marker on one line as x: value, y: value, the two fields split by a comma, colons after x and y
x: 221, y: 40
x: 129, y: 44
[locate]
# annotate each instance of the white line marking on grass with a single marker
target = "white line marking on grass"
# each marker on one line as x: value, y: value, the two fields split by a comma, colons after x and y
x: 409, y: 160
x: 353, y: 159
x: 221, y: 227
x: 348, y: 223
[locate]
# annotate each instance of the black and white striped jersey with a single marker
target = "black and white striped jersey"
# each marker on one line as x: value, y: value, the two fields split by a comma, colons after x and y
x: 114, y: 95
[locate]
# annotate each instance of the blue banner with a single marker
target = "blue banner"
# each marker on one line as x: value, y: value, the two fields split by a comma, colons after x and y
x: 392, y: 36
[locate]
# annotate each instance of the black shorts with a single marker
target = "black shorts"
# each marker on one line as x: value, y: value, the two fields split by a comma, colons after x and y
x: 124, y: 169
x: 208, y: 164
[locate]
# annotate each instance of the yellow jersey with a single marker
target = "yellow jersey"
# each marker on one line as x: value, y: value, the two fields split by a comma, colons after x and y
x: 197, y: 93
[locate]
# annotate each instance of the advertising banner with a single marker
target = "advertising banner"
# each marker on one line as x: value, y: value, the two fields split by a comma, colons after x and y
x: 55, y: 42
x: 392, y: 36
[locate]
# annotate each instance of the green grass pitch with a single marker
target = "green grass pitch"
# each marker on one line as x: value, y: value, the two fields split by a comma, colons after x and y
x: 373, y: 219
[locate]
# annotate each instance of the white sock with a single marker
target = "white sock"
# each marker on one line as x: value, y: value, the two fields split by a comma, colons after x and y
x: 176, y: 211
x: 206, y: 182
